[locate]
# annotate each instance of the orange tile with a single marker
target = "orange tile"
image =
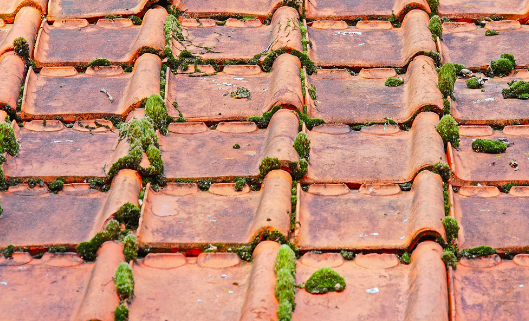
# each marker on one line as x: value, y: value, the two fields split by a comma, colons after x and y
x: 181, y: 216
x: 364, y: 98
x: 332, y: 217
x: 11, y: 78
x: 192, y: 150
x: 208, y: 98
x: 63, y: 92
x: 350, y: 10
x: 73, y: 215
x: 238, y: 39
x: 26, y: 23
x: 214, y: 286
x: 375, y: 154
x: 378, y: 287
x: 488, y: 288
x: 470, y: 167
x: 207, y: 8
x: 9, y: 8
x: 60, y: 286
x: 464, y: 43
x: 371, y: 43
x: 74, y: 42
x: 475, y: 9
x: 64, y: 9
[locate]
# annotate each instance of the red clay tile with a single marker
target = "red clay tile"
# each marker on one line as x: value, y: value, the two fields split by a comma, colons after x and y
x: 378, y: 287
x: 474, y: 107
x: 214, y: 286
x: 53, y: 151
x: 364, y: 98
x: 371, y: 43
x: 376, y: 154
x: 490, y: 289
x: 192, y: 150
x: 354, y: 9
x: 466, y: 44
x: 26, y: 23
x: 74, y: 42
x: 64, y: 9
x: 9, y: 8
x: 11, y: 78
x: 60, y: 286
x: 488, y: 217
x: 207, y: 8
x: 470, y: 167
x: 375, y: 217
x: 238, y: 39
x: 36, y: 218
x: 475, y: 9
x: 63, y: 92
x: 181, y: 216
x: 208, y: 98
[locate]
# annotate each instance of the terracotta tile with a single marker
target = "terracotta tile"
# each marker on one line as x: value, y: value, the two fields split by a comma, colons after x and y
x: 475, y: 9
x: 60, y: 286
x: 26, y: 23
x: 11, y: 78
x: 354, y: 9
x: 9, y: 8
x: 238, y: 39
x: 36, y: 218
x: 63, y: 92
x: 206, y: 8
x: 53, y: 151
x: 376, y: 154
x: 488, y: 288
x: 74, y: 42
x: 375, y: 217
x: 466, y: 44
x: 208, y: 98
x: 181, y: 216
x: 470, y: 167
x: 488, y: 217
x: 378, y: 287
x: 214, y: 286
x: 64, y: 9
x: 192, y: 150
x: 364, y: 98
x: 370, y: 43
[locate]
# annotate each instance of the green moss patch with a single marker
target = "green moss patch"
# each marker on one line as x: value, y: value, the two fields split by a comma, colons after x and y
x: 394, y: 82
x: 56, y: 186
x: 492, y: 32
x: 436, y: 27
x: 8, y: 251
x: 124, y: 280
x: 88, y: 250
x: 517, y: 89
x: 241, y: 93
x: 285, y: 291
x: 302, y: 145
x: 268, y: 164
x: 129, y: 214
x: 130, y: 247
x: 447, y: 79
x: 449, y: 258
x: 447, y: 129
x: 488, y: 146
x: 475, y: 82
x: 121, y: 313
x: 478, y: 251
x: 325, y: 280
x: 156, y: 110
x: 501, y: 67
x: 451, y: 228
x: 99, y: 62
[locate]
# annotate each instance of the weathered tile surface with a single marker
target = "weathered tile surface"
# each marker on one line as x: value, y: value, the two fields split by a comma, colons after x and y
x: 207, y: 8
x: 354, y: 9
x: 64, y: 9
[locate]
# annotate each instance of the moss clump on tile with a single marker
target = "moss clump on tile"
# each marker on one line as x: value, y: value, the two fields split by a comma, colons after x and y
x: 263, y: 121
x: 303, y: 58
x: 446, y: 106
x: 99, y: 62
x: 325, y: 280
x: 301, y: 169
x: 436, y: 27
x: 135, y: 20
x: 56, y: 186
x: 394, y: 82
x: 284, y: 311
x: 121, y: 313
x: 129, y: 214
x: 241, y: 93
x: 475, y: 82
x: 309, y: 122
x: 88, y: 250
x: 8, y: 141
x: 491, y: 33
x: 296, y: 4
x: 446, y: 198
x: 477, y: 251
x: 21, y: 48
x: 268, y: 164
x: 312, y: 92
x: 155, y: 109
x: 130, y: 247
x: 57, y: 249
x: 405, y: 258
x: 236, y: 146
x: 489, y: 146
x: 285, y: 259
x: 348, y: 255
x: 447, y: 129
x: 517, y: 89
x: 451, y: 228
x: 124, y: 280
x: 302, y: 145
x: 239, y: 184
x: 98, y: 184
x: 285, y: 270
x: 449, y: 258
x: 434, y: 4
x: 501, y: 67
x: 8, y: 251
x: 447, y: 79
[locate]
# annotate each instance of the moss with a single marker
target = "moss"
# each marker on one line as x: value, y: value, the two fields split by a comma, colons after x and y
x: 449, y: 258
x: 325, y: 280
x: 285, y: 259
x: 303, y: 57
x: 501, y: 67
x: 124, y: 280
x: 447, y: 79
x: 517, y: 89
x: 475, y: 83
x: 285, y: 290
x: 478, y: 251
x: 434, y: 4
x: 446, y: 198
x: 451, y: 228
x: 56, y: 186
x: 88, y: 250
x: 394, y: 82
x: 98, y: 184
x: 98, y: 62
x: 347, y: 255
x: 8, y: 141
x: 155, y: 109
x: 130, y: 247
x: 302, y: 145
x: 296, y: 4
x: 129, y: 214
x: 488, y: 146
x: 285, y: 286
x: 8, y: 251
x: 491, y: 33
x: 268, y: 164
x: 459, y: 68
x: 239, y: 184
x: 236, y: 146
x: 312, y: 92
x: 436, y: 27
x: 405, y: 258
x: 121, y: 313
x: 263, y: 121
x: 241, y: 93
x: 510, y: 57
x: 57, y: 249
x: 284, y: 311
x: 21, y: 48
x: 446, y: 106
x: 310, y: 122
x: 447, y: 129
x: 301, y: 169
x: 245, y: 251
x: 135, y: 20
